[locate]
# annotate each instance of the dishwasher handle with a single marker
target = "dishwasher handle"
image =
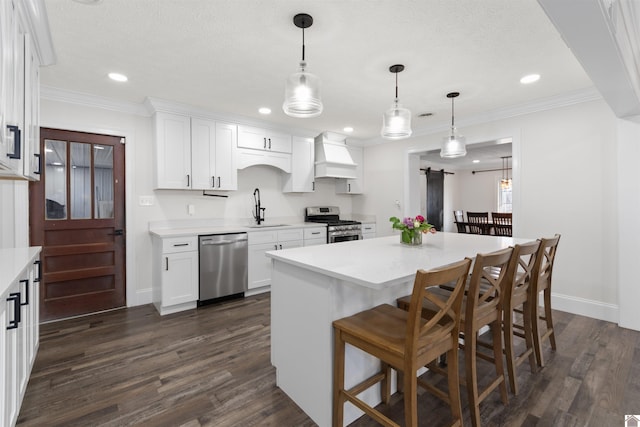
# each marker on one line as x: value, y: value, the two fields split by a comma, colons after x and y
x: 219, y: 242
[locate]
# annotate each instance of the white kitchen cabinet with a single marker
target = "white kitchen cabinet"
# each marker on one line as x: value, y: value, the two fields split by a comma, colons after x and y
x: 175, y: 274
x: 173, y: 151
x: 368, y: 230
x: 353, y: 186
x: 261, y: 242
x: 13, y: 89
x: 315, y: 236
x: 19, y: 331
x: 194, y: 154
x: 263, y: 139
x: 213, y: 155
x: 301, y: 178
x: 31, y: 135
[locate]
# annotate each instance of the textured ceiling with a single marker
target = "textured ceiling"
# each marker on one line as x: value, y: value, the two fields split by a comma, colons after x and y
x: 233, y: 56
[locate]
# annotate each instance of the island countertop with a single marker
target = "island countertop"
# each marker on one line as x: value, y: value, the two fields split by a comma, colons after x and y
x: 383, y: 262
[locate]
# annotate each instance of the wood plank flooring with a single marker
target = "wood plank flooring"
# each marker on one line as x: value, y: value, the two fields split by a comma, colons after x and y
x: 211, y: 367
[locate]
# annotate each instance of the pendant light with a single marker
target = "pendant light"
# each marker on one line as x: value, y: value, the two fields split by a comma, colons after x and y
x: 302, y: 90
x: 396, y: 121
x: 453, y: 145
x: 505, y: 182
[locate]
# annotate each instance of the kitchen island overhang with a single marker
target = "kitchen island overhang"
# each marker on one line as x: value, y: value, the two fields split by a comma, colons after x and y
x: 313, y: 286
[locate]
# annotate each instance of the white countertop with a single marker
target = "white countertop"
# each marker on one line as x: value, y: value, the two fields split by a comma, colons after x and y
x: 12, y: 263
x: 197, y: 230
x: 382, y: 262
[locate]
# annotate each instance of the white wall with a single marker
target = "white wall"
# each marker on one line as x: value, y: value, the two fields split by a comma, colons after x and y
x: 172, y: 204
x: 564, y: 181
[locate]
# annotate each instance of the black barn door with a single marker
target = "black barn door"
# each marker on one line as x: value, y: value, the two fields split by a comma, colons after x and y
x: 435, y: 197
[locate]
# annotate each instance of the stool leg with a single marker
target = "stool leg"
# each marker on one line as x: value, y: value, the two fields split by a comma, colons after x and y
x: 549, y: 319
x: 385, y: 384
x: 410, y: 399
x: 470, y: 343
x: 496, y: 330
x: 338, y: 379
x: 454, y: 385
x: 508, y: 348
x: 528, y: 334
x: 535, y: 331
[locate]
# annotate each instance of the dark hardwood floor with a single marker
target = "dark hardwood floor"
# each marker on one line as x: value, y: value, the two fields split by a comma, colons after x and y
x: 211, y: 367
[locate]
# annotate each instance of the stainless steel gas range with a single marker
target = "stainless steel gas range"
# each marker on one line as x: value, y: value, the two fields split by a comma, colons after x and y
x: 338, y: 230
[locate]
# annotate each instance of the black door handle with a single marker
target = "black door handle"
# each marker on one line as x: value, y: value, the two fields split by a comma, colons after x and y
x: 15, y: 297
x: 16, y: 142
x: 118, y: 232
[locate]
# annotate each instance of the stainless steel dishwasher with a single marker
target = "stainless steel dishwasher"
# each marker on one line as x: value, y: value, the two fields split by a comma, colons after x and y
x: 223, y: 266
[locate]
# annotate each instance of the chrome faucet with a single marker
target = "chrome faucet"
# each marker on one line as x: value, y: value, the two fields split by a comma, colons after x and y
x: 259, y: 211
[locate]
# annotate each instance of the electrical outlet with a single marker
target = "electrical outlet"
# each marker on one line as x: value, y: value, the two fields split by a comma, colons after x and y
x: 146, y: 201
x: 191, y: 209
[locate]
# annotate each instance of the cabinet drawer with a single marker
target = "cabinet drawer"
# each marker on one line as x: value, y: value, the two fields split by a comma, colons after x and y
x: 179, y: 244
x: 288, y: 235
x: 261, y: 237
x: 368, y: 228
x: 315, y: 233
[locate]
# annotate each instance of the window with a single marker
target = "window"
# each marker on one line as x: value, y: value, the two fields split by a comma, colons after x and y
x: 505, y: 195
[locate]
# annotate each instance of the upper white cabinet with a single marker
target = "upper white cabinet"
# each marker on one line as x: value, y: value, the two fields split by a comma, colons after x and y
x: 263, y: 139
x: 353, y: 186
x: 194, y: 154
x: 213, y: 155
x: 173, y: 151
x: 300, y: 180
x: 19, y: 86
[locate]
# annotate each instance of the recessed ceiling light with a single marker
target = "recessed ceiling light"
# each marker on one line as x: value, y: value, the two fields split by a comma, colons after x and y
x: 476, y: 161
x: 264, y: 110
x: 348, y: 129
x: 530, y: 78
x: 118, y: 77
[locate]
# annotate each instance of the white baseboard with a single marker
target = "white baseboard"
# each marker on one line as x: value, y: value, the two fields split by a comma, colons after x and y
x: 584, y: 307
x: 142, y: 297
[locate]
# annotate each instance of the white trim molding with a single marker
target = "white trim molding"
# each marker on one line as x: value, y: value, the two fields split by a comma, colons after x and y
x: 584, y: 307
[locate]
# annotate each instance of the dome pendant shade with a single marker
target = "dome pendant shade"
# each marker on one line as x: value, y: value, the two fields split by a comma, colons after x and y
x: 454, y: 144
x: 396, y: 121
x: 302, y: 89
x: 302, y: 94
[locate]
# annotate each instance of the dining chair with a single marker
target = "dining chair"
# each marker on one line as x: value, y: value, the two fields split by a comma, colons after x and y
x: 478, y: 222
x: 458, y: 218
x: 502, y: 223
x: 541, y: 282
x: 482, y: 306
x: 404, y: 341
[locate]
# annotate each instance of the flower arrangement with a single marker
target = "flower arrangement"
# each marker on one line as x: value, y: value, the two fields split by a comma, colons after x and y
x: 412, y: 228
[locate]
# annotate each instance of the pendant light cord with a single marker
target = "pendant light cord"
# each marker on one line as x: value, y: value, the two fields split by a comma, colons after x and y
x: 303, y: 44
x: 396, y: 86
x: 452, y: 114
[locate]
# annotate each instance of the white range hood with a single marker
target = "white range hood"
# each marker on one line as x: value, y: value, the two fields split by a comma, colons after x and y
x: 332, y: 157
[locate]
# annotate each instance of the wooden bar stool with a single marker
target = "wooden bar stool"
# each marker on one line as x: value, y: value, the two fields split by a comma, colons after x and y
x: 542, y: 283
x: 404, y: 341
x: 518, y: 298
x: 482, y: 306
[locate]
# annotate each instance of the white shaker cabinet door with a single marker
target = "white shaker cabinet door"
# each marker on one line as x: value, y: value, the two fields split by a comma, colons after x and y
x: 173, y: 151
x: 226, y: 168
x: 180, y: 278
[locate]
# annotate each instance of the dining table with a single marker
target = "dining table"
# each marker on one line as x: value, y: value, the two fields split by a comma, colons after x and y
x: 315, y: 285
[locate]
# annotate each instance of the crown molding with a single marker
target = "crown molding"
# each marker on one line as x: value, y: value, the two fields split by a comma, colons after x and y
x: 79, y: 98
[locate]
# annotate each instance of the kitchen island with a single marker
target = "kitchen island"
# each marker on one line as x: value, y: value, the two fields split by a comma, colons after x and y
x: 313, y: 286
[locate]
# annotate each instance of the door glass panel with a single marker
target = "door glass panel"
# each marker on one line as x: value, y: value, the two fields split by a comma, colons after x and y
x: 103, y: 180
x: 80, y: 178
x: 55, y: 160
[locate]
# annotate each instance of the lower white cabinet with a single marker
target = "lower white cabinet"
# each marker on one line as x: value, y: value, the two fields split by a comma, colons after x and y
x: 175, y: 274
x: 19, y: 335
x: 259, y: 264
x: 368, y: 230
x: 315, y: 236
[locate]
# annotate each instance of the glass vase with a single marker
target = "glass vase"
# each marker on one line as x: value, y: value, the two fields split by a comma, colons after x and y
x: 411, y: 237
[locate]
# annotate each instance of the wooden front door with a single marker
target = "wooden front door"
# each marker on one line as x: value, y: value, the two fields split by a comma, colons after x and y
x: 77, y: 215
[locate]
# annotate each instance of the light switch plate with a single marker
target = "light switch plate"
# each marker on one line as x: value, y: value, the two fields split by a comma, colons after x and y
x: 146, y: 200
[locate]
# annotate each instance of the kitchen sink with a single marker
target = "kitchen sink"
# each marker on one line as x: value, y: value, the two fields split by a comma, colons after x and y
x: 266, y: 225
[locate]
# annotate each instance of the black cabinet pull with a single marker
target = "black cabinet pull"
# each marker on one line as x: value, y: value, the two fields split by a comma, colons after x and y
x: 218, y: 182
x: 280, y: 246
x: 39, y: 264
x: 213, y: 182
x: 166, y: 260
x: 15, y: 297
x: 269, y: 143
x: 26, y: 292
x: 16, y: 142
x: 39, y: 157
x: 188, y: 181
x: 180, y: 244
x: 349, y: 185
x: 275, y: 247
x: 313, y: 185
x: 265, y: 143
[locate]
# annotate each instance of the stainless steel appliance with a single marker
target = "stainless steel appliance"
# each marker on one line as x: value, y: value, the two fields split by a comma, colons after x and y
x: 224, y: 266
x: 338, y: 230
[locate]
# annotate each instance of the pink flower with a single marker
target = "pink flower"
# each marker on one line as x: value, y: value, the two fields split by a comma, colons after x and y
x: 420, y: 218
